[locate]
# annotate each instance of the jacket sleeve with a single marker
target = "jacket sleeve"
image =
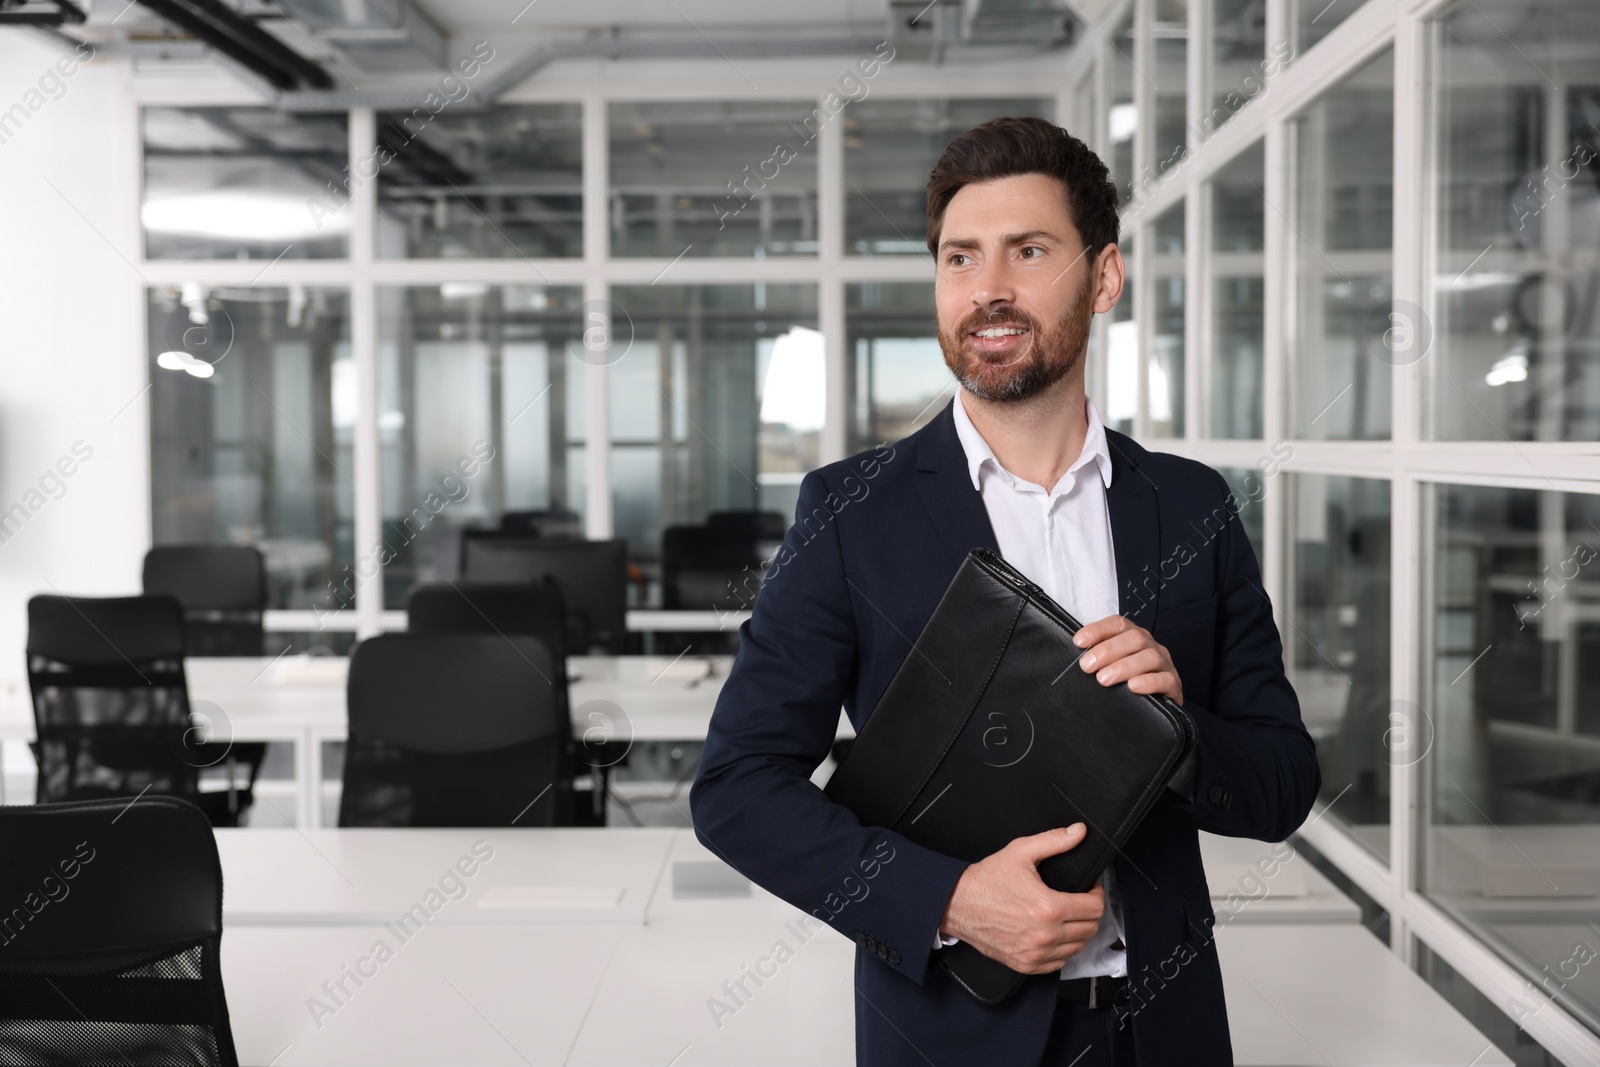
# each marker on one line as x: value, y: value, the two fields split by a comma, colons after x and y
x: 1255, y: 769
x: 753, y: 801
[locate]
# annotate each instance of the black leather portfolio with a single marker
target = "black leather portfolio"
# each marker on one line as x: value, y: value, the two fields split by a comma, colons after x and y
x: 990, y: 731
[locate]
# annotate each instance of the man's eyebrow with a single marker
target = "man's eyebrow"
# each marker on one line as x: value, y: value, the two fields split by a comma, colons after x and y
x: 1005, y: 239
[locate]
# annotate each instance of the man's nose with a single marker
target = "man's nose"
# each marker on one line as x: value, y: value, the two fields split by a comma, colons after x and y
x: 993, y: 287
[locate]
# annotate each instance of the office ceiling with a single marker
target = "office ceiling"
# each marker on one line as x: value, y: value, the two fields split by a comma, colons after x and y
x: 333, y: 54
x: 714, y: 16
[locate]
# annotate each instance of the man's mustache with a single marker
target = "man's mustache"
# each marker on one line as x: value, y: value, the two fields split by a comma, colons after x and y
x: 1003, y: 316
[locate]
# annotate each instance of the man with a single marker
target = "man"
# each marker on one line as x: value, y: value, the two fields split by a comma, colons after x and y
x: 1022, y: 222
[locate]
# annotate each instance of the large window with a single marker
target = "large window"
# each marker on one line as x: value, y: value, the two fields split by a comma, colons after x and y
x: 1337, y: 644
x: 898, y: 380
x: 252, y: 413
x: 889, y: 148
x: 1348, y: 337
x: 716, y: 407
x: 714, y: 178
x: 480, y: 411
x: 1515, y: 331
x: 498, y: 182
x: 1513, y: 836
x: 1238, y: 293
x: 1164, y: 366
x: 1171, y: 40
x: 244, y: 183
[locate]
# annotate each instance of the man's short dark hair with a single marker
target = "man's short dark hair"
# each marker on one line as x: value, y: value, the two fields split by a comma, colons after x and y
x: 1001, y: 148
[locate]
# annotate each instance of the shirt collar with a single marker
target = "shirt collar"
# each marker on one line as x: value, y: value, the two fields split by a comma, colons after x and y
x: 1095, y: 448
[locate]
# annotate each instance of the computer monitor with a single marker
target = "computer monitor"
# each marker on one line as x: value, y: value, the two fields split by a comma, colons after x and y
x: 592, y: 576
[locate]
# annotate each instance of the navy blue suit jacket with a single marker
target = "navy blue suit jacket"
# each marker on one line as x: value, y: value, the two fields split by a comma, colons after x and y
x: 877, y: 538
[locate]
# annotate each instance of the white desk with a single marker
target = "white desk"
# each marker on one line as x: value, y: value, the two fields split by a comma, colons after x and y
x: 1251, y: 883
x: 613, y: 875
x: 353, y: 877
x: 481, y: 995
x: 604, y: 993
x: 1330, y: 995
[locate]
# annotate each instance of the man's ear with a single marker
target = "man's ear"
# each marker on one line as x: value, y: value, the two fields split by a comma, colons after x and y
x: 1110, y: 272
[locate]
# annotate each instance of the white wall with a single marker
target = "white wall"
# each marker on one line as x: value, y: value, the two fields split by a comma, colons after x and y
x: 71, y: 354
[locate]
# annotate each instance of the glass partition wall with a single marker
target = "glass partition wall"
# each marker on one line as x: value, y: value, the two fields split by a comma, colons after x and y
x: 1366, y: 295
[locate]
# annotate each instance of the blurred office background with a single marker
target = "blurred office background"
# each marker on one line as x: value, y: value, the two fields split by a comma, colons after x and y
x: 1364, y: 252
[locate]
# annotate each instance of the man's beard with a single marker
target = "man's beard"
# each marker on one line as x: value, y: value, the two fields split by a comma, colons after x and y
x: 1053, y: 354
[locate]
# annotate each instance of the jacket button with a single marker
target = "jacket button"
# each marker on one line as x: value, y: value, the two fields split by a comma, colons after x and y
x: 894, y: 957
x: 1219, y: 796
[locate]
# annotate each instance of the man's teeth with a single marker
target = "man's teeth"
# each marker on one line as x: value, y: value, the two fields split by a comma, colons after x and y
x: 1001, y: 331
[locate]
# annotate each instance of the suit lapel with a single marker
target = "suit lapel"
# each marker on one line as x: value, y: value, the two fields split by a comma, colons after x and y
x: 954, y: 506
x: 1135, y: 531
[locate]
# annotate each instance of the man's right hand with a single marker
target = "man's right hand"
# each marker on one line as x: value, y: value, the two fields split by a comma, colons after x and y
x: 1002, y: 907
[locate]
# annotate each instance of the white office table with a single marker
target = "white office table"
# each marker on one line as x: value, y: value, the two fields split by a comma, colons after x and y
x: 481, y: 995
x: 605, y: 994
x: 1332, y: 995
x: 354, y: 877
x: 1251, y: 883
x: 612, y: 875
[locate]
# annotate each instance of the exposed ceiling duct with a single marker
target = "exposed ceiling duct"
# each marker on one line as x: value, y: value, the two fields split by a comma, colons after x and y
x: 39, y: 12
x: 1046, y: 22
x: 382, y: 36
x: 924, y: 31
x: 242, y: 41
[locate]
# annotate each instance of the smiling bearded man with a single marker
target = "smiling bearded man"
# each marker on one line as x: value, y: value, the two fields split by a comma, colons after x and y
x: 1023, y: 225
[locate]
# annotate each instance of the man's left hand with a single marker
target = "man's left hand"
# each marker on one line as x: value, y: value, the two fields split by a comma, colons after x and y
x: 1117, y: 650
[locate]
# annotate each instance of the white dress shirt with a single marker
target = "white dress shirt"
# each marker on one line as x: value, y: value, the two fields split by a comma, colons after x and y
x: 1061, y: 539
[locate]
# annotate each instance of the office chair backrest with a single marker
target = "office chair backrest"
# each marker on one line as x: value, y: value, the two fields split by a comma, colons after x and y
x: 452, y: 730
x: 533, y: 608
x: 707, y: 568
x: 592, y: 576
x: 109, y: 953
x: 536, y: 608
x: 762, y: 525
x: 110, y: 702
x: 542, y: 523
x: 223, y: 590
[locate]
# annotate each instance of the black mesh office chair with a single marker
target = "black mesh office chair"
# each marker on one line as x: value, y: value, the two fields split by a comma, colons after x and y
x: 223, y: 590
x: 118, y: 963
x: 110, y: 704
x: 534, y: 608
x: 453, y: 730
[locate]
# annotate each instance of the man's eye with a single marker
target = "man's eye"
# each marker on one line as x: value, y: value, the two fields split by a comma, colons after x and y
x: 1035, y: 249
x: 957, y: 260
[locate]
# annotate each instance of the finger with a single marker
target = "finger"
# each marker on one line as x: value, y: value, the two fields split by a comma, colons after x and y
x: 1095, y: 632
x: 1118, y: 646
x: 1157, y: 683
x: 1144, y: 661
x: 1079, y: 930
x: 1050, y: 843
